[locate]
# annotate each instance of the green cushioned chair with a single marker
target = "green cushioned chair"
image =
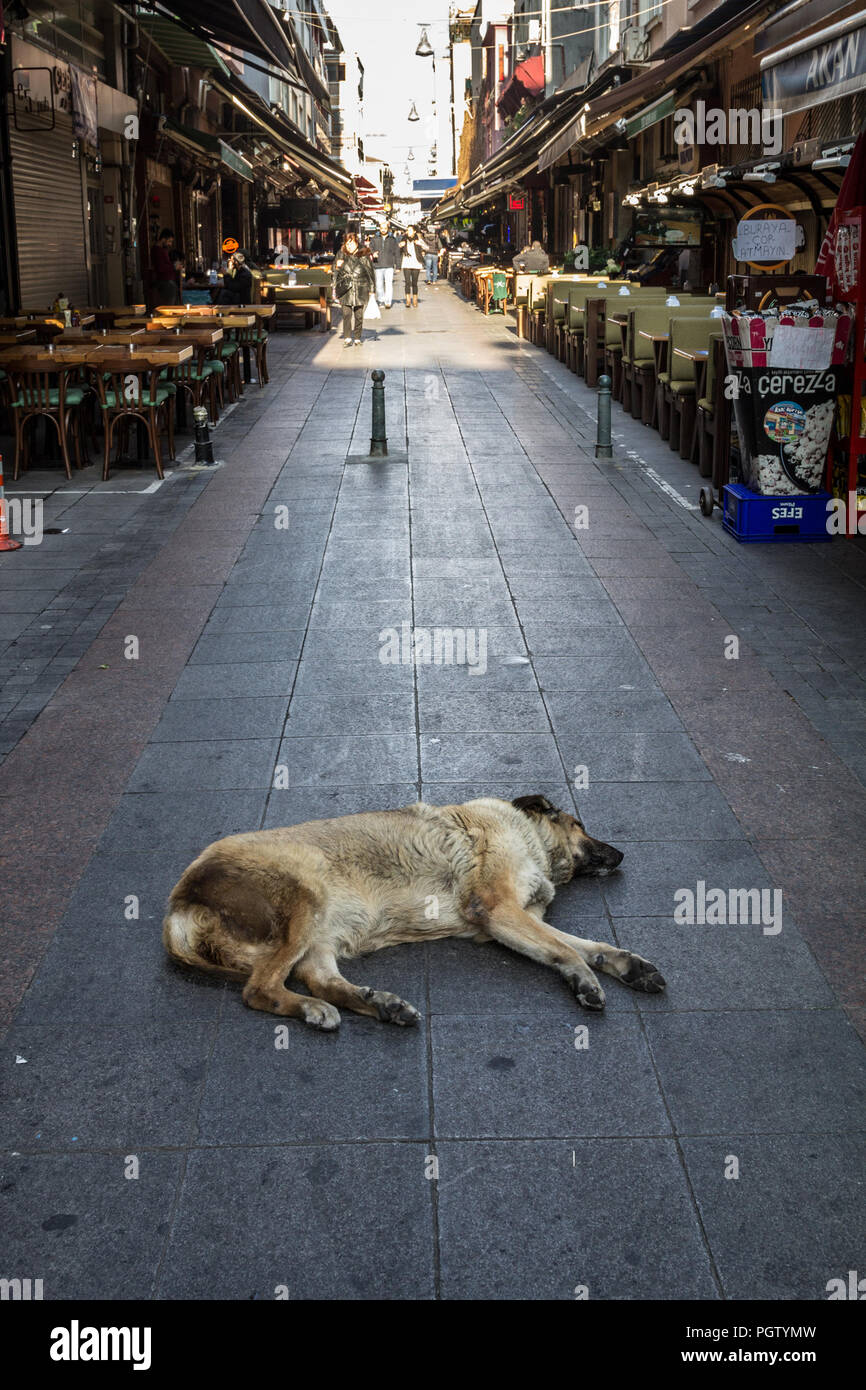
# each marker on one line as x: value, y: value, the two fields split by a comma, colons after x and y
x: 163, y: 393
x: 74, y: 396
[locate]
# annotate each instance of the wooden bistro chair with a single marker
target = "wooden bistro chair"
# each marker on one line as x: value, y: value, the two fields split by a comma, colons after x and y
x: 679, y: 388
x: 46, y: 391
x: 198, y: 377
x: 255, y: 340
x: 133, y: 392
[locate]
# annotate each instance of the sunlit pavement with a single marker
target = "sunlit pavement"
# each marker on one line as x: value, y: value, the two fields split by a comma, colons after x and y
x: 707, y: 1143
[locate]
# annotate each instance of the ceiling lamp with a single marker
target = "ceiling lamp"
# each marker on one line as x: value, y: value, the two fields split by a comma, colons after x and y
x: 413, y: 113
x: 424, y: 50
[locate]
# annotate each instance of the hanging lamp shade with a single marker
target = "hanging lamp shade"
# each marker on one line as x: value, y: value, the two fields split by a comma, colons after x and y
x: 413, y: 113
x: 424, y: 50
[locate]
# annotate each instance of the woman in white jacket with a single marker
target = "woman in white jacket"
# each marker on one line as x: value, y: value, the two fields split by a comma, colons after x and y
x: 412, y: 250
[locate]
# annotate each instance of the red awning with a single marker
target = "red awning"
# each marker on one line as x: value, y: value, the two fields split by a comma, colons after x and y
x: 527, y: 80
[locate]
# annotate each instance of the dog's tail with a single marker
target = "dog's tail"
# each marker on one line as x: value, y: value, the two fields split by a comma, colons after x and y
x: 224, y: 911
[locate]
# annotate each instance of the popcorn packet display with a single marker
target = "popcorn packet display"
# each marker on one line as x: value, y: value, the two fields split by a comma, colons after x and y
x: 784, y: 365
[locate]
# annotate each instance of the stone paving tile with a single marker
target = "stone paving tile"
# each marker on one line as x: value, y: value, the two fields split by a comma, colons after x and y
x: 496, y: 1077
x: 793, y: 1219
x: 496, y: 1200
x: 276, y: 1205
x: 742, y: 964
x: 101, y: 1087
x: 760, y: 1072
x: 62, y: 1215
x: 270, y: 1082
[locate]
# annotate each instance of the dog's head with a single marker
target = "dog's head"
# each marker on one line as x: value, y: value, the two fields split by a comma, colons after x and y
x: 570, y: 850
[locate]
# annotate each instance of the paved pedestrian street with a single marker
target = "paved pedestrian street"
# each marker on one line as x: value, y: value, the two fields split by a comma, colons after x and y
x: 702, y: 703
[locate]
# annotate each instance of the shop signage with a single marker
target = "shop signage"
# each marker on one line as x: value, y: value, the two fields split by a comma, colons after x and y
x: 230, y: 245
x: 516, y: 202
x: 651, y: 115
x: 33, y: 98
x: 823, y: 67
x: 766, y: 237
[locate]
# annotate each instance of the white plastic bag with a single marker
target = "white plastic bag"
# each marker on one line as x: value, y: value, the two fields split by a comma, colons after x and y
x: 372, y: 310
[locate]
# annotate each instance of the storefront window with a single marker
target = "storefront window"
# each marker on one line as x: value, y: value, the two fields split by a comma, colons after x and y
x: 77, y: 35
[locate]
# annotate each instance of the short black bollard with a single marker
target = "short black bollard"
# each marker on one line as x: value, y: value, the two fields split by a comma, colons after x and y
x: 203, y: 445
x: 603, y: 446
x: 378, y: 438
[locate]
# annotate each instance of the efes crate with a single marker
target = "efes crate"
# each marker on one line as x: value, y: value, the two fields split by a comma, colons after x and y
x: 751, y: 517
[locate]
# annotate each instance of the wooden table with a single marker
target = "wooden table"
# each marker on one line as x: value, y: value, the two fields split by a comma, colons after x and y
x: 114, y: 309
x: 188, y: 332
x: 20, y: 335
x: 209, y: 311
x: 93, y: 354
x: 11, y: 322
x: 97, y: 336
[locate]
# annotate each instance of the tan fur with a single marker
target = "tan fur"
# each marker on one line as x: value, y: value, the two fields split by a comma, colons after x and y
x: 273, y: 903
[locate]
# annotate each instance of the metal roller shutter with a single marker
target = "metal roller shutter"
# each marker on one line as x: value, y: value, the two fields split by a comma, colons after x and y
x: 49, y: 217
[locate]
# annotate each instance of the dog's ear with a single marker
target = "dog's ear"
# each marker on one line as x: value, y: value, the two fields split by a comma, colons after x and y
x: 535, y: 805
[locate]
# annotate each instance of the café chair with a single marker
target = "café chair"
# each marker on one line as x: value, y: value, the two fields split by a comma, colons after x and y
x: 46, y: 392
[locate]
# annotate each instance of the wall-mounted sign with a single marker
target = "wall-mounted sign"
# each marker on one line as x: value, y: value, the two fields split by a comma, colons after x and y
x: 822, y: 67
x: 766, y: 237
x: 230, y: 245
x: 33, y: 98
x: 516, y: 202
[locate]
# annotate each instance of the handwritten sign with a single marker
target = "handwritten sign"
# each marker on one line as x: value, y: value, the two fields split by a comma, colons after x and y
x: 802, y: 346
x: 767, y: 244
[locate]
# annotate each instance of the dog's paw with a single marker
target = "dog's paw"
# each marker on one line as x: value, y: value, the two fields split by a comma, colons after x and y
x: 588, y: 993
x: 320, y: 1015
x: 391, y: 1008
x: 643, y: 975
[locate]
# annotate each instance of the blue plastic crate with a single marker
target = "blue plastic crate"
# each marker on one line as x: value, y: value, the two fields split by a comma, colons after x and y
x: 751, y: 517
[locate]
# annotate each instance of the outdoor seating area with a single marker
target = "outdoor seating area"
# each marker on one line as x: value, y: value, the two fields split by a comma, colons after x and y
x: 660, y: 349
x: 107, y: 388
x: 300, y: 295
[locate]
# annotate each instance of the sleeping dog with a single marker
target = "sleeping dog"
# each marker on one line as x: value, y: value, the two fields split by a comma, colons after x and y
x: 271, y: 904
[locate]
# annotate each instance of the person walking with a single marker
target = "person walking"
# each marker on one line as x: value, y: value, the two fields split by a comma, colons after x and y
x: 431, y: 259
x: 386, y: 252
x: 411, y: 249
x: 354, y: 282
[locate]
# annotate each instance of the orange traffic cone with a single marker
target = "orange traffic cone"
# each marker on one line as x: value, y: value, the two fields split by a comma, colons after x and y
x: 6, y: 541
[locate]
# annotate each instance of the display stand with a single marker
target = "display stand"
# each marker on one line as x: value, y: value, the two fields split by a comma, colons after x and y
x: 751, y: 293
x: 848, y: 469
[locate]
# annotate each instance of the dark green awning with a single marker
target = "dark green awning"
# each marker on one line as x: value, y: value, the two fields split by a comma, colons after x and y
x: 180, y: 47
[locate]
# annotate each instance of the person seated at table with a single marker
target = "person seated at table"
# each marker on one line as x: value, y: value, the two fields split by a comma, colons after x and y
x: 532, y: 260
x: 237, y: 282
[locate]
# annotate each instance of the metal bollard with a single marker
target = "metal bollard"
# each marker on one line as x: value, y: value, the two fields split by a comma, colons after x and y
x: 603, y: 446
x: 203, y: 445
x: 378, y: 438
